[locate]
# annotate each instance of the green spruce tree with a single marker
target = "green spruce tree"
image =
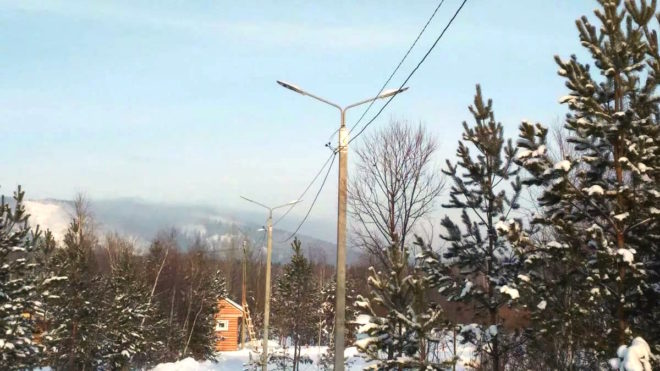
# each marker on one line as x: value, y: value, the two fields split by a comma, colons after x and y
x: 479, y: 266
x: 397, y: 318
x: 296, y: 302
x: 206, y: 285
x: 73, y: 336
x: 126, y: 340
x: 20, y: 304
x: 603, y: 204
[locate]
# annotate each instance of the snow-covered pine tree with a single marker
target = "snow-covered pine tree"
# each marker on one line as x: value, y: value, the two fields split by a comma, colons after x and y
x: 72, y: 338
x: 479, y: 266
x: 296, y: 302
x: 217, y: 289
x: 397, y: 319
x: 125, y: 341
x: 200, y: 337
x: 162, y: 264
x: 567, y: 323
x: 604, y: 204
x: 19, y: 298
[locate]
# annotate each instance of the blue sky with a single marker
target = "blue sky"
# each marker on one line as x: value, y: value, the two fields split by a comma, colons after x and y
x: 176, y: 101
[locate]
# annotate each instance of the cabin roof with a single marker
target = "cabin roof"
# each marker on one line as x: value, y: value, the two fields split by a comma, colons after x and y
x: 233, y: 303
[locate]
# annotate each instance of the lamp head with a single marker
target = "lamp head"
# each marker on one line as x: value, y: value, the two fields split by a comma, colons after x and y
x: 391, y: 92
x: 291, y: 87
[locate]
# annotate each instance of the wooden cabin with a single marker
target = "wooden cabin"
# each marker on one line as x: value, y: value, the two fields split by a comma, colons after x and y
x: 227, y: 325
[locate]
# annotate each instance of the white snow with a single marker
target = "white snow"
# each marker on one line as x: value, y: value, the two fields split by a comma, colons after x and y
x: 233, y: 361
x: 594, y: 190
x: 189, y: 364
x: 523, y: 277
x: 635, y: 357
x: 513, y: 293
x: 466, y: 288
x: 540, y: 151
x: 502, y: 226
x: 627, y: 255
x: 237, y: 360
x: 622, y: 216
x: 566, y: 98
x: 523, y: 154
x: 365, y: 323
x: 54, y: 278
x: 542, y: 305
x: 642, y: 167
x: 555, y: 245
x: 564, y: 165
x: 363, y: 319
x: 492, y: 330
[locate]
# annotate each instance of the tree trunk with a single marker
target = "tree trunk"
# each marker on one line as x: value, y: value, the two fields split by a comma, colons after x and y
x: 153, y: 288
x: 620, y: 242
x: 192, y: 327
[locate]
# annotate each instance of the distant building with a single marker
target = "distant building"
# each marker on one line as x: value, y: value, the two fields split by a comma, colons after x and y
x: 227, y: 325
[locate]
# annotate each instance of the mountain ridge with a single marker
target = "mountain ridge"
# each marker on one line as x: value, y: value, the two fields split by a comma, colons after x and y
x: 142, y: 220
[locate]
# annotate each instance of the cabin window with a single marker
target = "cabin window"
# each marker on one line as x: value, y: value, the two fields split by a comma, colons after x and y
x: 222, y: 325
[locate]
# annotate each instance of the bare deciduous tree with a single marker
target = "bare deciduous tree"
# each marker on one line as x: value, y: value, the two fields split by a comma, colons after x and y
x: 395, y: 185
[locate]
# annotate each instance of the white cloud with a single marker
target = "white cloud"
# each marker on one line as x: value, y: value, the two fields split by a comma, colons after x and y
x: 49, y: 215
x: 267, y: 33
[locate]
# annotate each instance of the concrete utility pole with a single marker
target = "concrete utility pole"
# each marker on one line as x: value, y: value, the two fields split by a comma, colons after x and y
x: 269, y: 253
x: 243, y: 294
x: 340, y: 307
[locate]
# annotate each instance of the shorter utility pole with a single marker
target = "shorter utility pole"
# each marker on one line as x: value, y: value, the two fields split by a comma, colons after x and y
x: 269, y: 253
x: 243, y: 294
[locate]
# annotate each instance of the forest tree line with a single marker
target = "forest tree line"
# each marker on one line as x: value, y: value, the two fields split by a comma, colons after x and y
x: 555, y: 228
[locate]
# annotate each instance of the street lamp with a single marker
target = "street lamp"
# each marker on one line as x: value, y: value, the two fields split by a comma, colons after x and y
x: 269, y: 253
x: 342, y: 148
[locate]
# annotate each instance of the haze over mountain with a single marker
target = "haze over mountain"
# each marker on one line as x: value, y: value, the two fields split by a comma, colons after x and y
x: 142, y: 221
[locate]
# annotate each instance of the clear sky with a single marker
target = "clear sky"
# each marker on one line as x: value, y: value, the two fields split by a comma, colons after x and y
x: 176, y: 100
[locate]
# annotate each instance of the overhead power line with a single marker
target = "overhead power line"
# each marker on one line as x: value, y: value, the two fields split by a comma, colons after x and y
x: 325, y: 178
x: 412, y: 72
x: 332, y: 155
x: 399, y: 65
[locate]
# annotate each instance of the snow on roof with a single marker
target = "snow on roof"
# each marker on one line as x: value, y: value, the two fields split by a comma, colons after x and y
x: 234, y: 304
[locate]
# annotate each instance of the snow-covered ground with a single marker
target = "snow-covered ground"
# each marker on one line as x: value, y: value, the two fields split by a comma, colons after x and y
x: 232, y: 361
x: 236, y: 361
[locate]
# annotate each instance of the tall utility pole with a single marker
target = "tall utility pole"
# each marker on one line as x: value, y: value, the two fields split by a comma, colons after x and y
x: 269, y: 253
x: 243, y: 294
x: 342, y: 149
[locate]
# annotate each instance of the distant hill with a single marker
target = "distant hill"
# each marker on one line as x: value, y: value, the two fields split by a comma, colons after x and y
x: 141, y: 221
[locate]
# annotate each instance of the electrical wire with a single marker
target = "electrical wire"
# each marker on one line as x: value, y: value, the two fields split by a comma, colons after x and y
x: 333, y: 156
x: 412, y: 72
x: 315, y: 198
x: 306, y: 189
x: 397, y: 67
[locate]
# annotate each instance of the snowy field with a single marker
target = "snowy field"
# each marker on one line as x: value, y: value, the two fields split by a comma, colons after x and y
x: 236, y: 361
x: 231, y: 361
